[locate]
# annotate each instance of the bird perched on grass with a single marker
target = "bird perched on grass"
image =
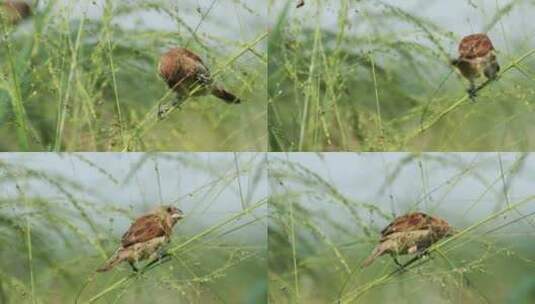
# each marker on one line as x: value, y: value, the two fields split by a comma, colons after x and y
x: 145, y: 238
x: 412, y: 233
x: 187, y: 75
x: 477, y: 57
x: 15, y: 11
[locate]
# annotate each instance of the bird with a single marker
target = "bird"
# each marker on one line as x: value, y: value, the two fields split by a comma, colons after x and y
x: 186, y: 74
x: 15, y: 11
x: 477, y: 57
x: 145, y: 238
x: 300, y: 3
x: 411, y: 233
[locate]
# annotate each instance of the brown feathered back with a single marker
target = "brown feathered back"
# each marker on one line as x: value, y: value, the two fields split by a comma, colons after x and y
x: 16, y: 10
x: 416, y: 221
x: 145, y: 236
x: 412, y: 231
x: 182, y: 69
x: 187, y: 75
x: 474, y: 46
x: 145, y: 228
x: 407, y: 222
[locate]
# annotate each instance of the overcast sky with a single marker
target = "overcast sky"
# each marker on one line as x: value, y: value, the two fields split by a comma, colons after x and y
x: 462, y: 187
x: 444, y: 183
x: 230, y: 19
x: 201, y: 184
x: 460, y: 17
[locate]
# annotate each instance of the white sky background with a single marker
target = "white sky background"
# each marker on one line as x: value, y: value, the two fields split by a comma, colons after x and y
x: 423, y: 184
x: 233, y: 19
x: 461, y: 17
x: 180, y: 184
x: 361, y: 176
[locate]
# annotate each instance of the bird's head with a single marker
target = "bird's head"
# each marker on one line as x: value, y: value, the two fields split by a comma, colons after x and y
x: 172, y: 213
x: 444, y: 229
x: 175, y: 213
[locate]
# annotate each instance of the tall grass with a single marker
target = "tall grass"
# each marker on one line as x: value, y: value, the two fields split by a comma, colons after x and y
x: 71, y: 81
x: 375, y: 76
x: 326, y: 212
x: 56, y: 229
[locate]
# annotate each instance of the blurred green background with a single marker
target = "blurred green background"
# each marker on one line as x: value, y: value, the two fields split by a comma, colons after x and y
x: 62, y: 216
x: 375, y: 76
x: 82, y: 76
x: 326, y: 212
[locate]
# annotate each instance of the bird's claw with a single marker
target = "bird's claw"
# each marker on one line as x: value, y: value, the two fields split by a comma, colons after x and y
x: 423, y: 254
x: 159, y: 259
x: 134, y: 268
x: 472, y: 93
x: 401, y: 267
x: 162, y: 110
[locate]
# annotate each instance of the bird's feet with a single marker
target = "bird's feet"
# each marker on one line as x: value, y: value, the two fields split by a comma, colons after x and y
x: 164, y: 257
x: 134, y: 268
x: 472, y: 93
x: 423, y: 254
x: 419, y: 255
x: 160, y: 258
x: 401, y: 267
x: 164, y: 109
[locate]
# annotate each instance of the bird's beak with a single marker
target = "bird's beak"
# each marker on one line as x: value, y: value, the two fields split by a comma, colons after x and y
x: 177, y: 216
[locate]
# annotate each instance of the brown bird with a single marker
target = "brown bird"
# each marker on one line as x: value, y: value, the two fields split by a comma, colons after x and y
x: 409, y: 234
x: 145, y: 238
x: 300, y: 3
x: 477, y: 57
x: 187, y: 75
x: 15, y: 11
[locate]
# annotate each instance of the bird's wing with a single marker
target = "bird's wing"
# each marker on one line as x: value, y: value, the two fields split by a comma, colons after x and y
x: 409, y: 222
x: 192, y: 56
x: 474, y: 46
x: 143, y: 229
x: 196, y: 67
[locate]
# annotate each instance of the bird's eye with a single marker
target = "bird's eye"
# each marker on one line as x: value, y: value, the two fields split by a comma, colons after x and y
x: 169, y: 209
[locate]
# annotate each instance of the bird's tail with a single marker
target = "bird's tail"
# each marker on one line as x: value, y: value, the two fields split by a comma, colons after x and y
x: 225, y: 95
x: 375, y: 253
x: 115, y: 259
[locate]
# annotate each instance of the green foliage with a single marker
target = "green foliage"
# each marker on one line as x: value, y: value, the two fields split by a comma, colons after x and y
x: 69, y: 82
x: 56, y: 230
x: 322, y: 226
x: 371, y: 76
